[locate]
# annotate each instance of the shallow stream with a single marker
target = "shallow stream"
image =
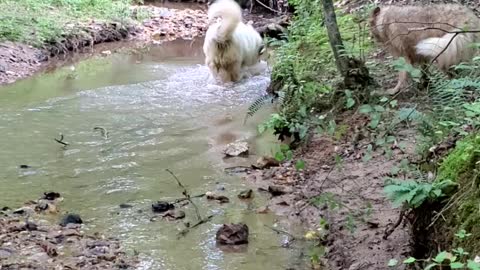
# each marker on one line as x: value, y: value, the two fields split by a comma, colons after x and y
x: 161, y: 110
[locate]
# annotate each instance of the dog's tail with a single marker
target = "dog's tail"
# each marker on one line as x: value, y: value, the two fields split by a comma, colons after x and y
x: 230, y: 13
x: 449, y: 49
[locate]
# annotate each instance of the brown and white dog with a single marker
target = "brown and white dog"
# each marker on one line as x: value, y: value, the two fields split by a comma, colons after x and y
x: 230, y: 45
x: 423, y: 33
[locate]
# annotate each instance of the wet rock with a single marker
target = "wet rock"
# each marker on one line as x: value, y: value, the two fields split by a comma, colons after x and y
x: 246, y: 194
x: 219, y: 198
x: 174, y: 214
x: 41, y: 206
x: 160, y: 207
x: 23, y: 211
x: 232, y: 234
x: 266, y: 163
x: 23, y: 166
x: 276, y: 190
x: 71, y: 219
x: 30, y: 226
x: 125, y: 205
x: 236, y: 149
x: 51, y: 195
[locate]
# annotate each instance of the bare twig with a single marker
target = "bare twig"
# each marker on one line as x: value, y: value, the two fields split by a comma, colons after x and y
x: 186, y: 194
x: 200, y: 222
x: 390, y: 230
x: 267, y: 7
x: 60, y: 141
x: 281, y: 232
x: 103, y: 131
x: 185, y: 199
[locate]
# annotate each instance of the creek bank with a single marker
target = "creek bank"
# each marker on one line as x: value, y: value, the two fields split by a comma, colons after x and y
x: 19, y: 61
x: 348, y: 194
x: 31, y: 240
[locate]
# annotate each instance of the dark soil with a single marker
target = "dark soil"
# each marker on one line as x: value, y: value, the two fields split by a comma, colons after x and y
x: 350, y: 197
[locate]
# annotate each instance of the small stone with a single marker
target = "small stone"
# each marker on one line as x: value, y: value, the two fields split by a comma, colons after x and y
x: 236, y: 149
x: 107, y: 52
x: 160, y: 207
x: 71, y: 219
x: 51, y: 195
x: 23, y: 166
x: 30, y: 226
x: 232, y: 234
x: 219, y: 198
x: 246, y: 194
x: 174, y: 214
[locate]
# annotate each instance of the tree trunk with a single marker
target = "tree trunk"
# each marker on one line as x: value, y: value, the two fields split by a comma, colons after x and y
x: 355, y: 73
x: 334, y: 36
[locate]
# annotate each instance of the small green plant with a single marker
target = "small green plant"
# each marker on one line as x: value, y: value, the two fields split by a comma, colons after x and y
x: 286, y: 154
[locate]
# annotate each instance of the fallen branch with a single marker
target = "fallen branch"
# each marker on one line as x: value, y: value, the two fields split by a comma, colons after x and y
x: 267, y: 7
x: 184, y: 199
x: 103, y: 131
x: 186, y: 194
x: 200, y: 222
x: 390, y: 230
x: 282, y: 232
x: 60, y: 141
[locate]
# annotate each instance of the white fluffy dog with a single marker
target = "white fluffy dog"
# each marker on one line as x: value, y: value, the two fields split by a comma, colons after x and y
x: 230, y: 45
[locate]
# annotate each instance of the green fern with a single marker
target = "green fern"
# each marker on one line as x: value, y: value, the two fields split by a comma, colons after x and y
x: 413, y: 193
x: 258, y: 104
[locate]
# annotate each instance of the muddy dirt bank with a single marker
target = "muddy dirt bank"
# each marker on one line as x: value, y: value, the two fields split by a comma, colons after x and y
x: 31, y: 238
x: 338, y: 185
x: 18, y: 61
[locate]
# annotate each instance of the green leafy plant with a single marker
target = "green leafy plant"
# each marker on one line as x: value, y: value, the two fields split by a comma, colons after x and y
x: 414, y: 193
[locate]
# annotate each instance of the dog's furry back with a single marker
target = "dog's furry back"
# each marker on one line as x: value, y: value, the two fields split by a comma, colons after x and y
x: 230, y: 44
x: 414, y: 32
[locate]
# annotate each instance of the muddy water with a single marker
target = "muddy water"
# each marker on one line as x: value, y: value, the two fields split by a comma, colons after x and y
x: 161, y: 110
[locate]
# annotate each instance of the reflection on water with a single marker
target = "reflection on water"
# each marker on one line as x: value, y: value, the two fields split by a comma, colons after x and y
x: 161, y: 111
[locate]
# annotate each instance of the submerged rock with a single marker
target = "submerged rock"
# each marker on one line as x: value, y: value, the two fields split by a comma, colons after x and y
x: 232, y: 234
x: 218, y: 198
x: 160, y: 207
x: 71, y: 219
x: 246, y: 194
x: 236, y: 149
x: 125, y: 205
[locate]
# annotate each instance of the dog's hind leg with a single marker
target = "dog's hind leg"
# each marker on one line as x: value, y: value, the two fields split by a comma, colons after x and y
x: 402, y: 82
